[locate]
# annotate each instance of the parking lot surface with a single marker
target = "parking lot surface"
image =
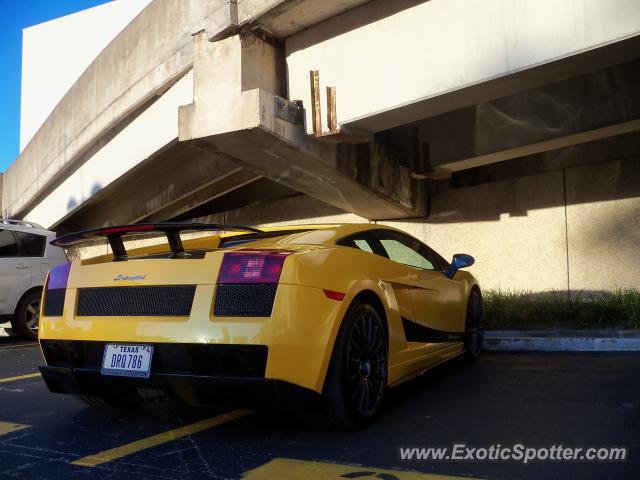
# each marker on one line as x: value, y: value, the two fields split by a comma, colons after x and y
x: 537, y: 400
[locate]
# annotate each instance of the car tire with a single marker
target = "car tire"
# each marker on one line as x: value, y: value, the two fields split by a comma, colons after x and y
x: 474, y: 328
x: 27, y: 315
x: 357, y: 376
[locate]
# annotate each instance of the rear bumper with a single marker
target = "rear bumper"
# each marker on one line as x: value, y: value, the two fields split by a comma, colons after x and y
x: 233, y: 392
x: 299, y: 334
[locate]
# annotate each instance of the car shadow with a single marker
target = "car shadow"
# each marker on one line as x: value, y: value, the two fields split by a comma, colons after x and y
x: 7, y: 339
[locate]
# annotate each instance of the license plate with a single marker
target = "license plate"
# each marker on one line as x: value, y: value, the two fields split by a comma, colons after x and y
x: 127, y: 360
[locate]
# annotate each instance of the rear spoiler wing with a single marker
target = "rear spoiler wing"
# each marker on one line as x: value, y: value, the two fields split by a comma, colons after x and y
x: 170, y: 229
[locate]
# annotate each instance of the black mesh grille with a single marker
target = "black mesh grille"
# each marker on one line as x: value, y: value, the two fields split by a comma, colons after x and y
x: 156, y: 301
x: 54, y: 302
x: 249, y: 300
x: 247, y: 361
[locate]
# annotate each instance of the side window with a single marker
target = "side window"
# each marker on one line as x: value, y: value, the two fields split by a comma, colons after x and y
x: 33, y: 244
x: 362, y: 244
x: 8, y: 244
x: 404, y: 250
x: 354, y: 242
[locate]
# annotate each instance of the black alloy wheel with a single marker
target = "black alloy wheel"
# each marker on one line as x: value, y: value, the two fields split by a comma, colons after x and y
x: 366, y: 363
x: 356, y: 380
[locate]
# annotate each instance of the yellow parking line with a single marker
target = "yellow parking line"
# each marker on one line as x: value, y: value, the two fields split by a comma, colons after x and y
x: 159, y: 439
x: 289, y: 469
x: 19, y: 377
x: 8, y: 427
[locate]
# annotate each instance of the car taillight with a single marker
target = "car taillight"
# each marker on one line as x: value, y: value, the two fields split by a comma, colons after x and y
x: 254, y: 266
x: 127, y: 229
x: 55, y: 290
x: 58, y: 276
x: 333, y: 295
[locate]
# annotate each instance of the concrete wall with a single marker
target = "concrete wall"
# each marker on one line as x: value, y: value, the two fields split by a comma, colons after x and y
x: 521, y: 232
x: 420, y: 52
x: 515, y: 229
x: 603, y: 225
x: 55, y: 53
x: 122, y: 153
x: 152, y: 52
x: 144, y: 60
x: 296, y: 210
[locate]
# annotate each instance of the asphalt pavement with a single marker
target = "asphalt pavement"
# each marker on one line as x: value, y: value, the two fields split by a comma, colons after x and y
x: 534, y: 399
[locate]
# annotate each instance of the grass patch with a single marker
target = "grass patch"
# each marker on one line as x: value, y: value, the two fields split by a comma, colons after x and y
x: 523, y: 310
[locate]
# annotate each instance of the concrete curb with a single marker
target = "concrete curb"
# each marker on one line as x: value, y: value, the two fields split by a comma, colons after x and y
x: 563, y: 340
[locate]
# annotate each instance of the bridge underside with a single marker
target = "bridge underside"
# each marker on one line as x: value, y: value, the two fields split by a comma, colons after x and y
x: 236, y: 147
x: 527, y: 138
x: 238, y: 106
x: 404, y: 173
x: 178, y: 182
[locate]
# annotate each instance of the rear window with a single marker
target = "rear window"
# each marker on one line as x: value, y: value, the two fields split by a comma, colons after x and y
x: 8, y: 244
x: 355, y: 242
x: 33, y: 245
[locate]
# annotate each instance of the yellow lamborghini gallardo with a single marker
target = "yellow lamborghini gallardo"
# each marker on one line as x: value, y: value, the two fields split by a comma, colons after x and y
x: 318, y: 318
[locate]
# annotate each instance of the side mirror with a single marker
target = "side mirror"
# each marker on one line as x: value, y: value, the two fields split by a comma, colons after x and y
x: 460, y: 260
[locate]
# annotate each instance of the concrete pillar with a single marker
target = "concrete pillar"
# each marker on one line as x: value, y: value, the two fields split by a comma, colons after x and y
x: 237, y: 82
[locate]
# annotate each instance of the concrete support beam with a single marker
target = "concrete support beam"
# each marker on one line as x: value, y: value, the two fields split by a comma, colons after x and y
x: 172, y: 182
x: 150, y: 55
x: 450, y: 54
x: 223, y: 21
x: 209, y: 192
x: 234, y: 116
x: 259, y: 191
x: 445, y: 170
x: 570, y: 112
x: 293, y: 210
x: 282, y: 18
x: 118, y: 156
x: 619, y: 146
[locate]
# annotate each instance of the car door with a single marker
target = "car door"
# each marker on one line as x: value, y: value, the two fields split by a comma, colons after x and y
x: 32, y: 246
x: 438, y: 303
x: 396, y: 276
x: 15, y: 272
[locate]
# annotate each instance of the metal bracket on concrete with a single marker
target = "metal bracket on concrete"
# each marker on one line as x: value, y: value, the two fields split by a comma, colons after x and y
x: 335, y: 133
x: 289, y: 110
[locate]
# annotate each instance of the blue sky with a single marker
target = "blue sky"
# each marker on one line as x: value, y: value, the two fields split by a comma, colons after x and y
x: 14, y: 16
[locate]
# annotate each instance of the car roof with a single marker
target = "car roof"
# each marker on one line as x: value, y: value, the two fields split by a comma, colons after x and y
x: 26, y: 229
x: 314, y: 233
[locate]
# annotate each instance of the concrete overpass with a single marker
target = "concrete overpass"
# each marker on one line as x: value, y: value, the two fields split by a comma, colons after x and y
x: 508, y: 130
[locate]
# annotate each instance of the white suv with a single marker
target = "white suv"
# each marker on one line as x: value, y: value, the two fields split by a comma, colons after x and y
x: 25, y: 259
